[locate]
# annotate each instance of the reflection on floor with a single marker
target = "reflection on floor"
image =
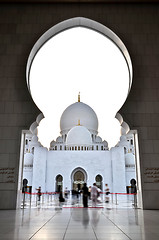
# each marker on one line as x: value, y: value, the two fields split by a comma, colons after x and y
x: 52, y: 200
x: 79, y: 223
x: 54, y: 221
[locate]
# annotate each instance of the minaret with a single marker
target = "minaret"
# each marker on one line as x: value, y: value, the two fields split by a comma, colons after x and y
x: 79, y: 97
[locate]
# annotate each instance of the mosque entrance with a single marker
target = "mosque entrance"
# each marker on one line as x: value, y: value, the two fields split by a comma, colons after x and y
x: 78, y: 179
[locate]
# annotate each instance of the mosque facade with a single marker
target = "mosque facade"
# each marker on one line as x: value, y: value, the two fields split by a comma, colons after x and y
x: 79, y: 155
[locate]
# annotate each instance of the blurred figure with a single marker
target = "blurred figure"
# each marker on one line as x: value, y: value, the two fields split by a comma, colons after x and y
x: 107, y: 192
x: 89, y: 192
x: 99, y: 200
x: 39, y: 193
x: 66, y: 192
x: 94, y: 194
x: 61, y: 198
x: 85, y: 195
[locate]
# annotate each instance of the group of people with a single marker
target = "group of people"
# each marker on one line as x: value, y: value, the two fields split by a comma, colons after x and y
x: 93, y: 194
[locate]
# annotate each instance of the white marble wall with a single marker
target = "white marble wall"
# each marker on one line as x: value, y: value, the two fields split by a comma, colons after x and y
x: 93, y: 162
x: 129, y: 175
x: 39, y: 169
x: 118, y: 170
x: 28, y: 174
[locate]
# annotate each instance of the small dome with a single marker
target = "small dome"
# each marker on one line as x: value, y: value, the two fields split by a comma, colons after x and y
x: 98, y: 139
x: 34, y: 138
x: 79, y: 135
x: 59, y: 140
x: 105, y: 143
x: 34, y: 142
x: 79, y: 111
x: 129, y: 159
x: 52, y: 144
x: 28, y: 159
x: 123, y: 142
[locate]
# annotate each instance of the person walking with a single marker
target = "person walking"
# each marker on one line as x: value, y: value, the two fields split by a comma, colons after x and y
x: 107, y: 192
x: 61, y: 198
x: 89, y: 192
x: 66, y: 192
x: 85, y: 195
x: 94, y: 194
x: 39, y: 193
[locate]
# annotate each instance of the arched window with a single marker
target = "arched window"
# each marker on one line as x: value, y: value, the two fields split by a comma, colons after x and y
x: 78, y: 180
x: 32, y: 150
x: 99, y: 182
x: 92, y: 138
x: 59, y: 183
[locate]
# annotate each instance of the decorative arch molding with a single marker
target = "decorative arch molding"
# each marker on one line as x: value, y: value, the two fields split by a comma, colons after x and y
x: 34, y: 125
x: 79, y: 22
x: 124, y: 126
x: 76, y: 170
x: 100, y: 175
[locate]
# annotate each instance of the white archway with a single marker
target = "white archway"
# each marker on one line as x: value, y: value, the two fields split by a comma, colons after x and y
x: 95, y: 100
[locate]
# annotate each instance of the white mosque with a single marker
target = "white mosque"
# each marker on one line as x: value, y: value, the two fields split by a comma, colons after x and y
x: 79, y: 155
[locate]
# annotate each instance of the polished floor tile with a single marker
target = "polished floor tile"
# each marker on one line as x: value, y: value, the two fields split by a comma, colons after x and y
x: 50, y: 223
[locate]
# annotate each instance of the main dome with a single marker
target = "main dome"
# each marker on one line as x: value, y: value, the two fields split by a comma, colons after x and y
x: 79, y: 135
x: 76, y: 112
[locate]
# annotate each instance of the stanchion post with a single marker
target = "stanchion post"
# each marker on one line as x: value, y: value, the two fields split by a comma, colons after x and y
x: 23, y: 199
x: 116, y: 201
x: 30, y: 199
x: 135, y: 200
x: 112, y: 197
x: 36, y: 200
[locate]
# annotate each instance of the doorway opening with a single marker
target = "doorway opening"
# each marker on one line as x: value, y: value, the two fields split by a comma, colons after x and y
x: 80, y: 176
x: 59, y: 183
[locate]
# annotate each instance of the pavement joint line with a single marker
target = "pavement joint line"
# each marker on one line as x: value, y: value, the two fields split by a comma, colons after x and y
x: 42, y: 226
x: 117, y: 226
x: 67, y: 226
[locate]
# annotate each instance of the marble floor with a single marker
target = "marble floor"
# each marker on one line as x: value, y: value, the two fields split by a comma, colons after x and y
x: 71, y: 222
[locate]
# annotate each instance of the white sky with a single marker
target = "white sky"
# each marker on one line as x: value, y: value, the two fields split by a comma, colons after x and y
x: 79, y: 60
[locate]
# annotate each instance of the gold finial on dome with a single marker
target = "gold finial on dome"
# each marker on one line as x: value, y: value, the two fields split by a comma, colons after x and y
x: 79, y: 122
x: 79, y: 97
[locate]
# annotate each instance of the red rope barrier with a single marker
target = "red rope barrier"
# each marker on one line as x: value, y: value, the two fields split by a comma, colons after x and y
x: 52, y: 193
